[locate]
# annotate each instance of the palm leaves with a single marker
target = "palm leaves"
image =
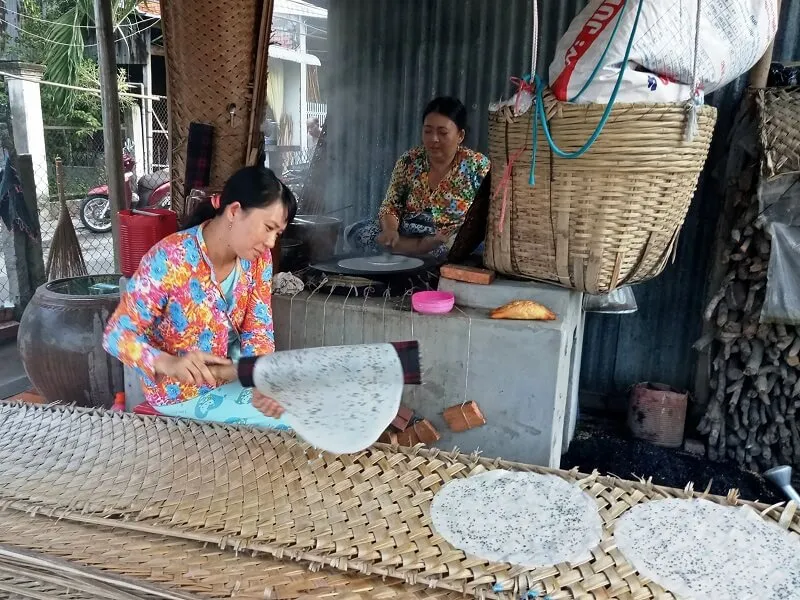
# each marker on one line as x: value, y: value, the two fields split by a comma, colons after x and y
x: 67, y: 37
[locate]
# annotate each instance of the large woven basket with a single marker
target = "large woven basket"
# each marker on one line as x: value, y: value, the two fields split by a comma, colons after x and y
x: 606, y: 219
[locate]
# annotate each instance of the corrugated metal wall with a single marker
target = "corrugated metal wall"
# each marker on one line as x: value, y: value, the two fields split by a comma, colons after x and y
x: 388, y: 58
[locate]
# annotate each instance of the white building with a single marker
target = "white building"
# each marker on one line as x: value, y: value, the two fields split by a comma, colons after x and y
x: 288, y: 93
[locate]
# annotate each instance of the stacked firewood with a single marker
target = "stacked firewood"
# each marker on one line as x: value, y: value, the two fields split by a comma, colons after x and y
x: 751, y: 416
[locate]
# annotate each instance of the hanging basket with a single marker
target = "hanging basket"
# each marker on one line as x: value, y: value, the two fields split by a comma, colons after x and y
x: 606, y: 219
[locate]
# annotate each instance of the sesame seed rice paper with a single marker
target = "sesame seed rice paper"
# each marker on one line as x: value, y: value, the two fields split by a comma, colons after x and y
x: 699, y: 550
x: 524, y: 519
x: 338, y: 399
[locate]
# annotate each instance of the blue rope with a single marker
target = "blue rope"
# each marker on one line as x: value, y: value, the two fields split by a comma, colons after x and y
x: 603, y: 55
x: 540, y: 114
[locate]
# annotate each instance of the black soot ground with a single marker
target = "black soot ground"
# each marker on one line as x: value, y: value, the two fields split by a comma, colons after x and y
x: 606, y: 446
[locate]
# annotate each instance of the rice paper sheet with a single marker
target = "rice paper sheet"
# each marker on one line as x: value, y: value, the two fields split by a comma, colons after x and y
x: 526, y: 519
x: 699, y: 550
x: 339, y: 398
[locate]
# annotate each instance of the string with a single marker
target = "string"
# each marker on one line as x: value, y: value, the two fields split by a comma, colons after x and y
x: 324, y: 312
x: 291, y: 310
x: 469, y: 355
x: 414, y: 388
x: 695, y: 101
x: 505, y: 186
x: 344, y: 309
x: 364, y: 319
x: 535, y: 41
x: 308, y: 301
x: 385, y: 300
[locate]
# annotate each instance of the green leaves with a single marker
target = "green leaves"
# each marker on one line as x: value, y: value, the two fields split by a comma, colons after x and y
x: 67, y: 37
x: 66, y: 50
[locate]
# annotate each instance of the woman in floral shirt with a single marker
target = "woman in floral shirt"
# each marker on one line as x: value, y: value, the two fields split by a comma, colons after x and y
x: 201, y: 298
x: 431, y: 190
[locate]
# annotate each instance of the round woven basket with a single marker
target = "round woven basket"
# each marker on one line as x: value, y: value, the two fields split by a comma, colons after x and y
x: 606, y: 219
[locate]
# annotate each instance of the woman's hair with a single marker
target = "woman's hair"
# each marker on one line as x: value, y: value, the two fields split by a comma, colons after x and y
x: 252, y: 187
x: 449, y: 107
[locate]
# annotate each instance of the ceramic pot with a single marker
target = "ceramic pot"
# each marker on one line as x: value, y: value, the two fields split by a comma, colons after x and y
x: 60, y: 340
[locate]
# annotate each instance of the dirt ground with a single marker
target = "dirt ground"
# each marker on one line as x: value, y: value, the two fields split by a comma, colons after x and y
x: 606, y: 446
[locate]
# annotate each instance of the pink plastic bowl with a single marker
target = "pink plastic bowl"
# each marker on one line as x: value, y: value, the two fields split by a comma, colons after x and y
x: 433, y: 303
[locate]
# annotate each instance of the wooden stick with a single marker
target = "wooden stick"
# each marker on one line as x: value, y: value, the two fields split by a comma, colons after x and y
x: 759, y: 74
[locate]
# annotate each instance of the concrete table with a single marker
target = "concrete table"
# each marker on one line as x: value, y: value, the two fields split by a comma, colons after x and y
x: 518, y: 372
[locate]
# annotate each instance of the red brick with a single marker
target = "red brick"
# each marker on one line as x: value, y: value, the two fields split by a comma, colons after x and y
x: 407, y: 438
x: 467, y: 274
x: 404, y: 416
x: 388, y: 437
x: 462, y: 417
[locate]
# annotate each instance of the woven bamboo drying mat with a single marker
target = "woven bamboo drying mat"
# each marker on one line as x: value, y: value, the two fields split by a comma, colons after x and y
x: 192, y: 568
x: 779, y: 130
x: 268, y: 492
x: 19, y: 586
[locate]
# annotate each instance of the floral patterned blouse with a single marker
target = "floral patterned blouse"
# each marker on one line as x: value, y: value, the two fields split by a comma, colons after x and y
x: 409, y: 192
x: 174, y: 304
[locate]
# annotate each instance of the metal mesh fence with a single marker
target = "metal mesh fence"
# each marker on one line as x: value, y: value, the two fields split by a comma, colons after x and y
x: 160, y: 119
x: 82, y: 156
x: 291, y: 165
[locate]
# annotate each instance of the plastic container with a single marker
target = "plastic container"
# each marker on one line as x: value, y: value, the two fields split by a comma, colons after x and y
x: 119, y: 402
x: 433, y: 303
x: 141, y: 230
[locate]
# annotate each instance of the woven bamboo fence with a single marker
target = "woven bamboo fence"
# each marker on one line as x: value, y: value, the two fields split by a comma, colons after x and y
x: 215, y: 55
x: 267, y: 492
x: 779, y: 114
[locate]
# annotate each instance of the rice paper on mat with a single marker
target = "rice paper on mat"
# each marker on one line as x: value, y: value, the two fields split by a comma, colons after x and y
x: 526, y: 519
x: 338, y: 398
x: 701, y: 550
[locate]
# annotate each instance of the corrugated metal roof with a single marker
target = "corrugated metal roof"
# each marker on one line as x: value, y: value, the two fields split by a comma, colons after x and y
x: 388, y: 58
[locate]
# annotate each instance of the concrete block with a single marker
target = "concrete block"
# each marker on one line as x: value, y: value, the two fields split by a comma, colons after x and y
x: 561, y: 301
x: 567, y: 304
x: 134, y: 394
x: 518, y: 372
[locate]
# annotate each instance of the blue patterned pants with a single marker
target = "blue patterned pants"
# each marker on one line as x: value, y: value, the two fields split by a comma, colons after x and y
x: 230, y: 403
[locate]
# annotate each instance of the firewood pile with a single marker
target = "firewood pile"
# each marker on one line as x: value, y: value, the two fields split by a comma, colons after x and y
x: 751, y: 416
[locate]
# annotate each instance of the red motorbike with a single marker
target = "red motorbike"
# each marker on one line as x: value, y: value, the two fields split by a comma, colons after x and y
x: 152, y: 191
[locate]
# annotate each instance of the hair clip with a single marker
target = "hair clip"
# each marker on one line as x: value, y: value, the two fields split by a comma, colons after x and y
x: 215, y: 200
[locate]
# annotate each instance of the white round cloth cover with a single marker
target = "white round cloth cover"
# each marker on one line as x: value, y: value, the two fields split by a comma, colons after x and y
x: 700, y: 550
x: 338, y: 398
x: 525, y: 519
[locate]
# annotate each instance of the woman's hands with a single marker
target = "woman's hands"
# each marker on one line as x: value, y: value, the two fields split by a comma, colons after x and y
x: 388, y: 238
x: 266, y: 405
x: 194, y: 368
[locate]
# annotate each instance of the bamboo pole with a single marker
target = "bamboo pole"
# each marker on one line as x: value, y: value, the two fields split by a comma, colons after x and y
x: 112, y: 128
x: 760, y: 72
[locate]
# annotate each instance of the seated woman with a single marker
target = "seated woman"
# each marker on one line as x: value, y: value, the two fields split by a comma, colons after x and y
x: 431, y: 190
x: 200, y: 299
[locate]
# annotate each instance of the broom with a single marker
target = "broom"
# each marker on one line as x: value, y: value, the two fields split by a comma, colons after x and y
x: 65, y: 258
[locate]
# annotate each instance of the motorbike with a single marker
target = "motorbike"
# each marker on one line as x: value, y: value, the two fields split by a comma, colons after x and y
x: 151, y: 191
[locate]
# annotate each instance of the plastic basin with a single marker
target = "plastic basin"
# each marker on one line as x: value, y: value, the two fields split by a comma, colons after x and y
x: 433, y: 303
